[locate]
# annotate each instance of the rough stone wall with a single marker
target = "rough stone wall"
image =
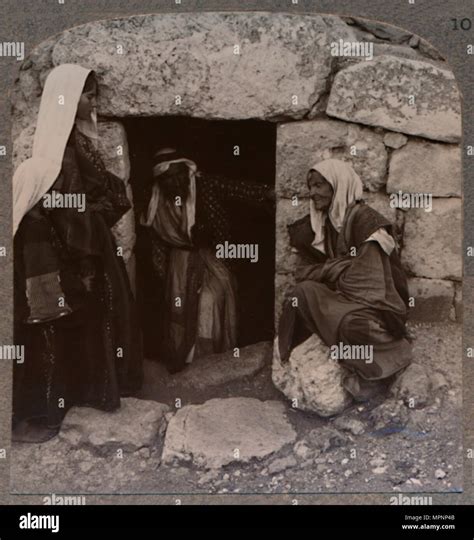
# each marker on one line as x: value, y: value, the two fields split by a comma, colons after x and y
x: 325, y: 106
x: 399, y: 145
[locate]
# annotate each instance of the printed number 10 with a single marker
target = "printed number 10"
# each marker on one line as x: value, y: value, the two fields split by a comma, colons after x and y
x: 464, y: 24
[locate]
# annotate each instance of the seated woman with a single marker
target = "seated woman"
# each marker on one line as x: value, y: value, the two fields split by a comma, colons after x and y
x: 351, y: 289
x: 74, y: 309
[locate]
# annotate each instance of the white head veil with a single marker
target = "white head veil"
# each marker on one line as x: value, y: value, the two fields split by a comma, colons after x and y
x: 57, y: 112
x: 347, y: 187
x: 161, y: 168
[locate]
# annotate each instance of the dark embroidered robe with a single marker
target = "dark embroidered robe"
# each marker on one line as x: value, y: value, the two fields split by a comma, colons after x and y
x: 74, y: 309
x: 353, y: 300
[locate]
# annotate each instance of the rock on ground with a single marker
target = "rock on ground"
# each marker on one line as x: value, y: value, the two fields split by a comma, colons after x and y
x: 310, y: 379
x: 282, y: 464
x: 392, y: 413
x: 223, y: 431
x: 137, y: 424
x: 377, y: 93
x: 409, y: 443
x: 347, y: 423
x: 326, y: 438
x: 413, y: 386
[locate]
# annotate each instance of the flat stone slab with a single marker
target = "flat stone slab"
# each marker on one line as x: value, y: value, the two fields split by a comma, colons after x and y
x: 137, y: 424
x: 223, y: 368
x: 223, y: 431
x: 196, y: 58
x: 377, y: 93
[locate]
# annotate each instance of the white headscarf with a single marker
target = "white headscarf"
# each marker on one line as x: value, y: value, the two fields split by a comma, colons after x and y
x: 57, y: 112
x: 190, y: 205
x: 347, y: 187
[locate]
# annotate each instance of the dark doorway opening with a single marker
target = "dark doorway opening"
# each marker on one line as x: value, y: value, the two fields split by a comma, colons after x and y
x: 211, y: 145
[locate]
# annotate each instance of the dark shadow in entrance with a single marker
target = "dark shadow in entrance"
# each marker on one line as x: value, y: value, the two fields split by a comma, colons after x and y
x: 211, y: 145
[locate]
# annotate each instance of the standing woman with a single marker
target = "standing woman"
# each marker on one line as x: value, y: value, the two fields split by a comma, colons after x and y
x: 74, y: 309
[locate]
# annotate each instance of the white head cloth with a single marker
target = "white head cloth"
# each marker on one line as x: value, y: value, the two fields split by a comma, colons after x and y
x: 57, y: 112
x: 347, y: 187
x: 190, y: 205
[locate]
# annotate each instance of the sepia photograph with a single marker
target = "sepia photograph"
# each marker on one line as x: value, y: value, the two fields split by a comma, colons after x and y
x: 238, y: 259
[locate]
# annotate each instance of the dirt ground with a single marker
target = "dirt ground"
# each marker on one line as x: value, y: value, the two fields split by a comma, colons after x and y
x: 378, y: 446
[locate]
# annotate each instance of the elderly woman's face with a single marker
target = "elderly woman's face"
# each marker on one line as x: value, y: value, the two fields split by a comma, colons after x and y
x: 88, y: 100
x: 320, y: 190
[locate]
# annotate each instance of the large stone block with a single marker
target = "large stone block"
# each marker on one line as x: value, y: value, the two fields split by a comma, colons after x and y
x: 434, y: 300
x: 300, y: 145
x: 424, y: 167
x: 377, y: 93
x: 223, y: 431
x: 380, y: 201
x: 137, y: 424
x: 286, y: 257
x: 165, y: 55
x: 384, y: 49
x: 433, y: 240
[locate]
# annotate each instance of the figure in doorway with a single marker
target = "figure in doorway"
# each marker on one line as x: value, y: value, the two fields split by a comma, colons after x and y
x: 187, y: 212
